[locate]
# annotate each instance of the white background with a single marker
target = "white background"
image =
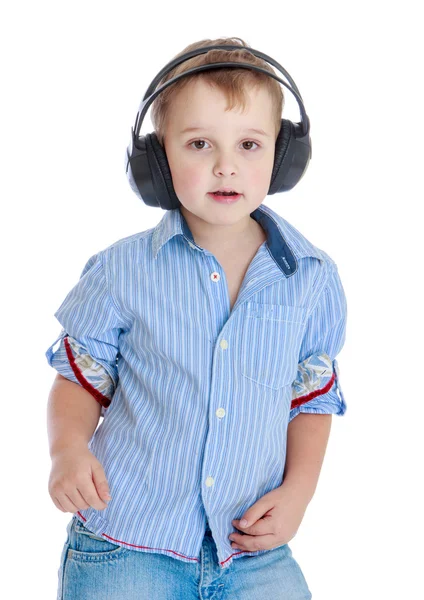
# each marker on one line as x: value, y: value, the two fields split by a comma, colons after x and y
x: 72, y: 77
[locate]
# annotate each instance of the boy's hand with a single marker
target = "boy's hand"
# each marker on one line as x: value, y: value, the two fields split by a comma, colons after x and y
x: 77, y: 480
x: 272, y: 521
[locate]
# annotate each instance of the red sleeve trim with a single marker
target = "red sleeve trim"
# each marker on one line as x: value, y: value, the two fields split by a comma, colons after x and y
x: 303, y: 399
x: 103, y: 400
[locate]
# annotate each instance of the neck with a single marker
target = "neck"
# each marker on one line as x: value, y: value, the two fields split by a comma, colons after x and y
x: 206, y: 234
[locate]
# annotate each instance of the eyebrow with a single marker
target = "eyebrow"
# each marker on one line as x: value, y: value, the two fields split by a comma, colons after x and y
x: 250, y: 129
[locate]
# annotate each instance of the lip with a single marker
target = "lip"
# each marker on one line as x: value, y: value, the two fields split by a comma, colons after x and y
x: 224, y: 188
x: 225, y: 199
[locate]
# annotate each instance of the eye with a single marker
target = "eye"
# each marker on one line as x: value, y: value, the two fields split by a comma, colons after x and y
x: 205, y: 142
x: 196, y: 141
x: 250, y: 142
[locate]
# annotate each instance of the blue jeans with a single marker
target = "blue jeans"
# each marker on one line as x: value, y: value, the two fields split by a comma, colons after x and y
x: 92, y: 568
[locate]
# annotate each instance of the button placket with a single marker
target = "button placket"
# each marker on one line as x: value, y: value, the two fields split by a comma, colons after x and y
x: 220, y: 412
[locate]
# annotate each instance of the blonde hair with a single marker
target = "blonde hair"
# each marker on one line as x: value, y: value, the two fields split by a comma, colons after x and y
x: 232, y: 82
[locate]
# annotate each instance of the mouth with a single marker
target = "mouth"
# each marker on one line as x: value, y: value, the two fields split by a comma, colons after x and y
x: 225, y: 191
x: 225, y: 197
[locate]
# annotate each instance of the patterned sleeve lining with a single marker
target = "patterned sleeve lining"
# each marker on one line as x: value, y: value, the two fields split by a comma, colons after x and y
x: 90, y: 374
x: 72, y: 360
x: 315, y: 377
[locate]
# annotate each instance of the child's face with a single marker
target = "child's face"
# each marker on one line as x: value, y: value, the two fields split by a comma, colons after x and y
x: 226, y: 155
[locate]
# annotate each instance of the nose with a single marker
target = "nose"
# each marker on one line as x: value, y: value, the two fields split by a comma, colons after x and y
x: 225, y: 165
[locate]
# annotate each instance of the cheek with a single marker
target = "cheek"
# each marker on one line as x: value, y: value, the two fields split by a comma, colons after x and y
x: 188, y: 177
x: 259, y: 177
x: 261, y: 173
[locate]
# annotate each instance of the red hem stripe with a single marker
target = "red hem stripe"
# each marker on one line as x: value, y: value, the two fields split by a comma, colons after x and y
x: 103, y: 400
x: 135, y: 545
x: 302, y: 399
x: 189, y: 557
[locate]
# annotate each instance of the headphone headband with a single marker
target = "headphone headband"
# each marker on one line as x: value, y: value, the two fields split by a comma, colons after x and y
x: 152, y: 92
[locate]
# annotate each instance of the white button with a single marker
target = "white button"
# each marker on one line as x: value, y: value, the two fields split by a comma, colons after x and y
x: 223, y: 344
x: 215, y: 276
x: 220, y: 412
x: 209, y: 481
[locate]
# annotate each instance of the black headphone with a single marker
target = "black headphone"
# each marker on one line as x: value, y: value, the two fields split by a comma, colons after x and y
x: 146, y: 164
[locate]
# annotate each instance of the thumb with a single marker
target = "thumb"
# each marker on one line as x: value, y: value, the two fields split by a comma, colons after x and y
x: 253, y: 513
x: 246, y: 520
x: 101, y: 483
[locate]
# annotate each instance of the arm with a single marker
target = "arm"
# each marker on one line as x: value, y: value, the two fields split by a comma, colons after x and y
x: 72, y: 415
x: 88, y: 347
x: 307, y: 437
x: 77, y: 479
x: 317, y: 394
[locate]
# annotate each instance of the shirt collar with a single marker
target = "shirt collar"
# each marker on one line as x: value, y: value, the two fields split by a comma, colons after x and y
x: 284, y: 242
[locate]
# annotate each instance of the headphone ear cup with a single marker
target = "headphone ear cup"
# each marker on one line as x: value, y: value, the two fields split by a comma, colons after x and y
x: 143, y: 172
x: 161, y: 173
x: 281, y: 158
x: 291, y: 158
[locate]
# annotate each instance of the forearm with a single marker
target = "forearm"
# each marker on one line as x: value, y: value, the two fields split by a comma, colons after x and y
x: 307, y: 437
x: 72, y: 415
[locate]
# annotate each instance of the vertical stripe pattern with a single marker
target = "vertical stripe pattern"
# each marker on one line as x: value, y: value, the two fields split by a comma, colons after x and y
x: 196, y: 398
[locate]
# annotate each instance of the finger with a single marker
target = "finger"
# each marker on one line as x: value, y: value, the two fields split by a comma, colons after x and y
x: 252, y: 543
x: 67, y: 503
x: 58, y: 504
x: 89, y: 494
x: 260, y: 527
x: 78, y: 500
x: 238, y: 543
x: 100, y: 482
x: 236, y: 546
x: 240, y: 539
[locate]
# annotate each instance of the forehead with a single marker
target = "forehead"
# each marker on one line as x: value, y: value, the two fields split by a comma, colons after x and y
x: 200, y: 104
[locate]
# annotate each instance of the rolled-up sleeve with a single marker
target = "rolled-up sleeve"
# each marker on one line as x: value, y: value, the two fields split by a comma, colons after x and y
x: 88, y: 347
x: 316, y: 388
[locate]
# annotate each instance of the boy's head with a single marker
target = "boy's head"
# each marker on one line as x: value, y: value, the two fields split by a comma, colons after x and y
x: 225, y: 104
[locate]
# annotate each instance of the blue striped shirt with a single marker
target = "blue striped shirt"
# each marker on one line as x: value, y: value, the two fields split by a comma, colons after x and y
x: 195, y: 396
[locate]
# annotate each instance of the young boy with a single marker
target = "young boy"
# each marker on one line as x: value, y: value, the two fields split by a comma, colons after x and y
x: 208, y: 345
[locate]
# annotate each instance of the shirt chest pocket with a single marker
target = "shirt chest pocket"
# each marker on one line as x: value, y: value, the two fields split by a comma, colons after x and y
x: 271, y: 335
